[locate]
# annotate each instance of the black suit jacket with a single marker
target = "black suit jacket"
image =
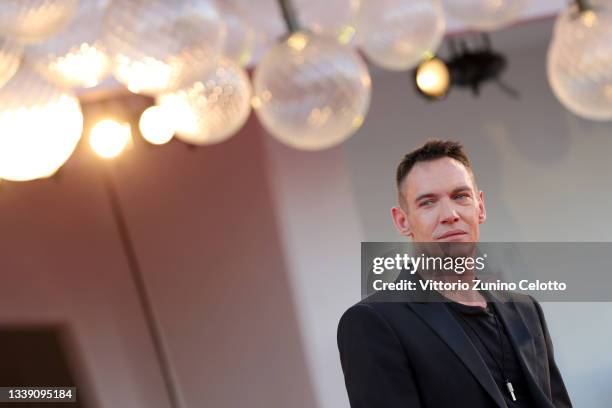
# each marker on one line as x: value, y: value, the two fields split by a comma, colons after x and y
x: 416, y: 355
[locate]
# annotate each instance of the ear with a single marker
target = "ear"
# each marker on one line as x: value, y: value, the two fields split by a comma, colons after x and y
x: 400, y: 220
x: 482, y: 212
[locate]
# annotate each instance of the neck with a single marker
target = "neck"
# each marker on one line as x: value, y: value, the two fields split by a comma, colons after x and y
x: 465, y: 297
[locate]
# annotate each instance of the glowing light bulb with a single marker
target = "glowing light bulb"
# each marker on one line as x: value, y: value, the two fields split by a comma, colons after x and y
x: 157, y: 125
x: 40, y: 126
x: 298, y: 41
x: 433, y: 78
x: 76, y: 56
x: 85, y: 66
x: 108, y: 138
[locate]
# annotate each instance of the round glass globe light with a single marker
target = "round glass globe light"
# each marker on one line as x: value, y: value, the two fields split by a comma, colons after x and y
x: 157, y: 44
x: 486, y: 15
x: 213, y: 108
x: 10, y: 58
x: 334, y: 18
x: 31, y: 21
x: 76, y: 56
x: 240, y: 34
x: 266, y: 19
x: 579, y: 61
x: 311, y: 92
x: 397, y: 34
x: 40, y: 126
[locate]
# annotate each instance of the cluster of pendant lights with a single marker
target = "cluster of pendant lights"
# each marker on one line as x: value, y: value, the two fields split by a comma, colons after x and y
x: 310, y: 88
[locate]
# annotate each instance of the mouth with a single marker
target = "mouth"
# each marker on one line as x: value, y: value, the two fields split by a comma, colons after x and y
x: 451, y: 234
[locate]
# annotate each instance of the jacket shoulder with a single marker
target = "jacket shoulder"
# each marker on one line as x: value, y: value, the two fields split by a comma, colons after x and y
x: 369, y: 310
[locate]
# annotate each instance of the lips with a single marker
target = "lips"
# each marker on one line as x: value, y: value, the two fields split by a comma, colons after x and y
x: 452, y: 233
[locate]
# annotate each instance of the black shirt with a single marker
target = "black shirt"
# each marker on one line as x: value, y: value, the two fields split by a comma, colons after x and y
x: 481, y: 326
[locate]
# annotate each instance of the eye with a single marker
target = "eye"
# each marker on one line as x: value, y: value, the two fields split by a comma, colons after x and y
x: 426, y: 203
x: 462, y: 196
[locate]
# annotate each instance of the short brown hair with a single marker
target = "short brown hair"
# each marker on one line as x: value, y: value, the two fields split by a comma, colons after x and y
x: 431, y: 150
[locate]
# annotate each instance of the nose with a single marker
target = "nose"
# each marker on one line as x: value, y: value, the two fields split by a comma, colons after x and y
x: 448, y: 213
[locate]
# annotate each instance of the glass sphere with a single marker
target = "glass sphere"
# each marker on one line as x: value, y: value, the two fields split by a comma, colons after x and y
x: 10, y: 58
x: 334, y: 18
x: 486, y: 15
x: 157, y: 44
x: 213, y: 108
x: 266, y: 19
x: 398, y: 34
x: 32, y: 21
x: 40, y: 126
x: 579, y: 61
x: 75, y: 57
x: 311, y: 92
x: 240, y: 34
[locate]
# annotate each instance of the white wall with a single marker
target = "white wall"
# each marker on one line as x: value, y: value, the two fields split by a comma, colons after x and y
x: 321, y: 234
x: 205, y: 234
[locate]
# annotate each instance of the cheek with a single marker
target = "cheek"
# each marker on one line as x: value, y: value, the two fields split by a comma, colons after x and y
x: 424, y: 221
x: 471, y: 216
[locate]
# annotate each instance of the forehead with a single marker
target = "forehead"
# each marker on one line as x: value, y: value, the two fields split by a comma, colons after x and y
x: 436, y: 176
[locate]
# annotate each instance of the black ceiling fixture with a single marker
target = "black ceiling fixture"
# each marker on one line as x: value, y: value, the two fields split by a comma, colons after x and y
x: 469, y: 66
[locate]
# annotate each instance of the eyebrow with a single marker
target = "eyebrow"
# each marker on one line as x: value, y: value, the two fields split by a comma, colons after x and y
x: 430, y: 195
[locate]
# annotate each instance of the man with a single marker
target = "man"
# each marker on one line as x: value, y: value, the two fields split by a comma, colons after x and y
x: 474, y: 349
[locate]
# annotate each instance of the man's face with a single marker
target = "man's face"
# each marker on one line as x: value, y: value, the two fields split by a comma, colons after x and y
x: 441, y: 203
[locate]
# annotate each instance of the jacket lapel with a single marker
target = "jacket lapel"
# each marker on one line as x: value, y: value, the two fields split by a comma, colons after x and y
x: 522, y: 342
x: 519, y: 335
x: 437, y: 316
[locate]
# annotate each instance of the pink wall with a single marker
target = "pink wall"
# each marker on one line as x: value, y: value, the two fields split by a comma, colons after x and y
x: 206, y: 238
